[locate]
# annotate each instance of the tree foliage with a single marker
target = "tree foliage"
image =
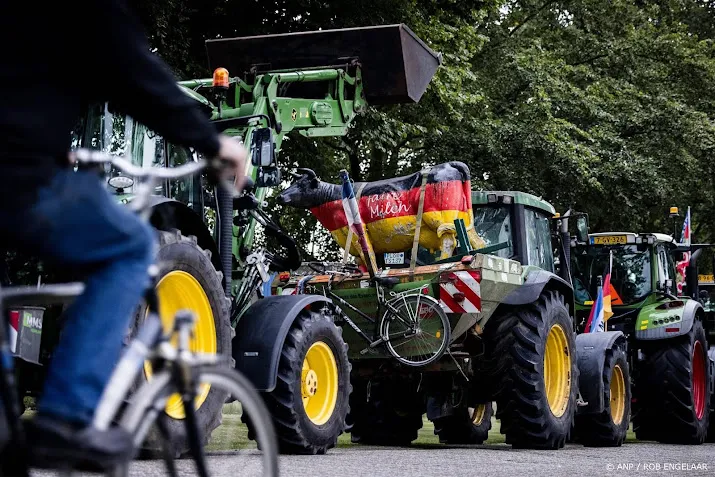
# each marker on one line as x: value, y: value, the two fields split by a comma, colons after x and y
x: 607, y: 107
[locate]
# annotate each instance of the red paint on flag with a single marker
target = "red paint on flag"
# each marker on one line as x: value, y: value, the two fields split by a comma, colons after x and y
x: 448, y: 195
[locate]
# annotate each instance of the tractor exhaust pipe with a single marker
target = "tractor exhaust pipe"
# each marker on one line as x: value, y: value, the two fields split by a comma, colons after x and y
x: 565, y: 268
x: 225, y: 213
x: 691, y: 274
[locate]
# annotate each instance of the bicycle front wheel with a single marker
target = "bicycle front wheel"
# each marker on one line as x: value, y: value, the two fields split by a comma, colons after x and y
x: 417, y: 331
x: 149, y: 401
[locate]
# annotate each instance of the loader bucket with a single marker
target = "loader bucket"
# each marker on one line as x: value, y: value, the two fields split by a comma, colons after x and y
x: 396, y: 65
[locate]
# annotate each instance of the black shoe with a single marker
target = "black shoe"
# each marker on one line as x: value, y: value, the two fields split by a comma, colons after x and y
x: 54, y: 444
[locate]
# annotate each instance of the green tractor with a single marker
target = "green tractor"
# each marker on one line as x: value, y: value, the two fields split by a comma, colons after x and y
x: 706, y: 287
x: 666, y: 336
x: 311, y: 83
x: 513, y: 333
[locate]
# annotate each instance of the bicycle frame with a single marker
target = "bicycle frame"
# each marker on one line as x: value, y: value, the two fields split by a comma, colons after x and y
x: 383, y: 306
x: 146, y: 345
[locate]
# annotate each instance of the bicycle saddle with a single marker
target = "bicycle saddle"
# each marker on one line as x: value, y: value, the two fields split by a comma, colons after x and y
x: 387, y: 282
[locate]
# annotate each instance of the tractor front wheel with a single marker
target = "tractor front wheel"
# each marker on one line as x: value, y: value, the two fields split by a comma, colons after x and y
x: 673, y: 398
x: 188, y: 280
x: 311, y: 399
x: 534, y: 346
x: 608, y: 428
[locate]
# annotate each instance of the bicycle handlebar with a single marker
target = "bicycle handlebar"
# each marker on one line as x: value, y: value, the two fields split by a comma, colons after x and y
x: 86, y: 156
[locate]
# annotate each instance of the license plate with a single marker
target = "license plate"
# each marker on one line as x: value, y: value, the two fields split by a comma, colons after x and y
x: 609, y: 240
x: 395, y: 258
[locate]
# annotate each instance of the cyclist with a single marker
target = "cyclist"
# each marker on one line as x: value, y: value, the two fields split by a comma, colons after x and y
x: 58, y: 57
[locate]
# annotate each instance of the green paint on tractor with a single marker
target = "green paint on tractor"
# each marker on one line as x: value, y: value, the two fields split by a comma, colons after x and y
x: 643, y: 281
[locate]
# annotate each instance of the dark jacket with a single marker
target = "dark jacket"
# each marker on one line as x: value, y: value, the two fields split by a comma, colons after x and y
x: 55, y: 58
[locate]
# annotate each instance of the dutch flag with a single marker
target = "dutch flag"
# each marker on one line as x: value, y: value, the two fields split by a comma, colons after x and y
x: 601, y: 310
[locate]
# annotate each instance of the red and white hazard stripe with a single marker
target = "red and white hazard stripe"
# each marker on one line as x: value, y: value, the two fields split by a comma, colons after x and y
x: 14, y: 329
x: 460, y: 292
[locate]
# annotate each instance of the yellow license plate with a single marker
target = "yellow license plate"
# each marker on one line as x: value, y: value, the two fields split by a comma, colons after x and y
x: 706, y: 278
x: 610, y: 240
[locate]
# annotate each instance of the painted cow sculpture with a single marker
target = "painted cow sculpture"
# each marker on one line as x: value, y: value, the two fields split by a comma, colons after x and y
x: 389, y: 208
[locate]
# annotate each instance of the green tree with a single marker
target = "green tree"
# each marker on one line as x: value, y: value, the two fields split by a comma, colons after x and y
x: 607, y: 107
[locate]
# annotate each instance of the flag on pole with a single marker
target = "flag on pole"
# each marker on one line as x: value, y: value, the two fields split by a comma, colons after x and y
x: 352, y: 213
x: 685, y: 238
x: 601, y: 309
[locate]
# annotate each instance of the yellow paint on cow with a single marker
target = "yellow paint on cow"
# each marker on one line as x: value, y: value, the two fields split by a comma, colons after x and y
x: 396, y: 234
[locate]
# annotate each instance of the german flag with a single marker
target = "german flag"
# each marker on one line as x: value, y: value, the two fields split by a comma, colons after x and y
x: 389, y: 208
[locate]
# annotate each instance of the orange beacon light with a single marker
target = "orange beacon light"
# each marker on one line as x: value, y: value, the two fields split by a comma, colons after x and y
x: 220, y: 79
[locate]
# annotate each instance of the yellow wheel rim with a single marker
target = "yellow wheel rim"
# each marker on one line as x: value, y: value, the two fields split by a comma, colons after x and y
x: 557, y: 370
x: 618, y: 395
x: 478, y: 414
x: 178, y: 290
x: 319, y: 383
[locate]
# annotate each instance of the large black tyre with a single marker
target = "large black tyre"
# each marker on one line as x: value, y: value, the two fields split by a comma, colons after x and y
x: 711, y: 427
x: 673, y: 398
x: 182, y: 266
x: 536, y: 412
x: 299, y: 427
x: 468, y: 425
x: 609, y: 427
x: 384, y: 413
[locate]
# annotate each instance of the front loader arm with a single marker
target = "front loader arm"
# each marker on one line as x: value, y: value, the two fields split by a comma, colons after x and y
x: 262, y: 106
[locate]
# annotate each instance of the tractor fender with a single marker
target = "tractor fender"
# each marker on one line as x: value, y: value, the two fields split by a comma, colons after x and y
x: 535, y: 282
x: 260, y: 335
x: 167, y: 214
x: 591, y: 353
x: 679, y: 321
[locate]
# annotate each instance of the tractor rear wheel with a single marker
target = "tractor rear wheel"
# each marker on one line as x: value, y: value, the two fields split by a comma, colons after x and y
x: 536, y: 391
x: 711, y: 427
x: 609, y: 428
x: 468, y: 425
x: 383, y: 414
x: 311, y: 399
x: 673, y: 398
x: 188, y: 280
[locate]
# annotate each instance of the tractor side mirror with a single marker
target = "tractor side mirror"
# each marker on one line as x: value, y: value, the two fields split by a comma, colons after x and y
x: 262, y: 150
x: 666, y: 286
x: 582, y: 228
x: 268, y: 177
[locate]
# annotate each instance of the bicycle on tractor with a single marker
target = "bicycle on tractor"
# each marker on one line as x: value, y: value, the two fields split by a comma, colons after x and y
x: 175, y: 369
x: 411, y: 324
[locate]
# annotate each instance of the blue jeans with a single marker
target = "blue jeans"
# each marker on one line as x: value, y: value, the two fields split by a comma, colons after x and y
x: 76, y: 223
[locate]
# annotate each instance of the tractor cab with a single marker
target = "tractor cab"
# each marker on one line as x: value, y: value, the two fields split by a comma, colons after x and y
x: 515, y: 225
x: 643, y: 275
x: 706, y: 287
x: 101, y: 127
x: 512, y: 225
x: 706, y: 295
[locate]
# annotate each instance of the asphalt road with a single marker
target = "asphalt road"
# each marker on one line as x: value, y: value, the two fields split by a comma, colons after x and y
x: 632, y: 459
